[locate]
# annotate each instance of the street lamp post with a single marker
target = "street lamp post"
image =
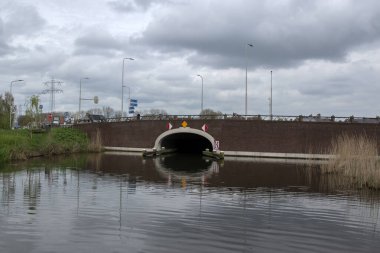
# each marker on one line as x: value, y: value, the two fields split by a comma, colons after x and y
x: 122, y: 86
x: 202, y: 94
x: 271, y: 104
x: 129, y: 95
x: 11, y: 104
x: 246, y: 77
x: 80, y: 94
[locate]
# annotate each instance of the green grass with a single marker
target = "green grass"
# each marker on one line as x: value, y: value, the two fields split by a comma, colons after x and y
x: 23, y: 144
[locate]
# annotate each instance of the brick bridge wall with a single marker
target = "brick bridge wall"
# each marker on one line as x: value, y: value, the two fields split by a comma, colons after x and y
x: 236, y: 135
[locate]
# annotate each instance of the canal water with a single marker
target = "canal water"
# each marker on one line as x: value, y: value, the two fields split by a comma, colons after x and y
x: 123, y: 203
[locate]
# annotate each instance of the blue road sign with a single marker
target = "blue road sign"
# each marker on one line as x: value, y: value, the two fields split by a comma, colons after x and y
x: 134, y: 101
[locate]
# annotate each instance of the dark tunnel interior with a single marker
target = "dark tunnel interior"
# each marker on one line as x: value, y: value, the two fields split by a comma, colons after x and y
x: 186, y: 143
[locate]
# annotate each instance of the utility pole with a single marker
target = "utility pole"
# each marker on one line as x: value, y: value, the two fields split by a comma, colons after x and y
x: 246, y: 78
x: 122, y: 86
x: 271, y: 103
x: 53, y: 87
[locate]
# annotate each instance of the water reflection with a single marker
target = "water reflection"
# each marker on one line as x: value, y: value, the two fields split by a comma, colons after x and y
x: 186, y: 168
x: 118, y: 203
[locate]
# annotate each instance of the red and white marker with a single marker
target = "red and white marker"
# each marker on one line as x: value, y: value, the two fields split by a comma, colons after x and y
x: 205, y: 128
x: 169, y: 126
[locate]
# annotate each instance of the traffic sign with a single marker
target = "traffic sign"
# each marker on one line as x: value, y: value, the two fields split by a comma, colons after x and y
x: 169, y: 126
x: 216, y: 145
x: 184, y: 124
x: 204, y: 128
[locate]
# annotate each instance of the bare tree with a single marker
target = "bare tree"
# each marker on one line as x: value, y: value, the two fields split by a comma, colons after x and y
x: 97, y: 111
x: 210, y: 114
x: 33, y: 112
x: 154, y: 112
x: 108, y: 112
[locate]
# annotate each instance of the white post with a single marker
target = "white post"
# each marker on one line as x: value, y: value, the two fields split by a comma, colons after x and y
x: 271, y: 101
x: 246, y: 78
x: 122, y: 86
x: 201, y: 94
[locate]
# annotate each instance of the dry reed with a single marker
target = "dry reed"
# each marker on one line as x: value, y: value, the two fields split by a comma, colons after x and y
x: 355, y: 162
x: 95, y: 144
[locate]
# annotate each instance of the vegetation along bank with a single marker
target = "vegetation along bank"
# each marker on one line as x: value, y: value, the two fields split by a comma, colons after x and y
x: 24, y: 144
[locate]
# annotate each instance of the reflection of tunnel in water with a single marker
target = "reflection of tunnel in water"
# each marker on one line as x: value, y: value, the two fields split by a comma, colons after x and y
x: 185, y: 162
x: 186, y: 143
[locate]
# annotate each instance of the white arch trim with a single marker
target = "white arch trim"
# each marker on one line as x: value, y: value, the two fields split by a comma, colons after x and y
x: 157, y: 144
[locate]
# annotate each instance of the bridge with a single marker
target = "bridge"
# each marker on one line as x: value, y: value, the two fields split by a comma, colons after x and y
x: 235, y: 135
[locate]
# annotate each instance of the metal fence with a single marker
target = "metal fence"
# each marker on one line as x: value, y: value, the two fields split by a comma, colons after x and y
x: 299, y: 118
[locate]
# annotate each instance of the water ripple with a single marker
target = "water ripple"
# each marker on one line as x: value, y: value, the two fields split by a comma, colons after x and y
x: 137, y: 210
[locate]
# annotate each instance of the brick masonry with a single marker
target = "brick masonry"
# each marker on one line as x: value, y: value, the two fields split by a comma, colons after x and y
x: 236, y: 135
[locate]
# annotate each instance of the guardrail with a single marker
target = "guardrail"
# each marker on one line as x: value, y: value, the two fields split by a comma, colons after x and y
x: 300, y: 118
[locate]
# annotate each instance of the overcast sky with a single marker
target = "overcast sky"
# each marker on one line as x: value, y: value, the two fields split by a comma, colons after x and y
x: 325, y: 55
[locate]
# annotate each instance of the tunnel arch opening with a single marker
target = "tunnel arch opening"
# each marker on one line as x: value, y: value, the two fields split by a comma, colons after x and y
x: 185, y: 140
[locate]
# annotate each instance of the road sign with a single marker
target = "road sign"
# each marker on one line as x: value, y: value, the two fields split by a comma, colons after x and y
x: 216, y: 145
x: 204, y: 128
x: 169, y: 126
x: 131, y: 111
x: 184, y: 124
x: 40, y: 106
x: 134, y: 101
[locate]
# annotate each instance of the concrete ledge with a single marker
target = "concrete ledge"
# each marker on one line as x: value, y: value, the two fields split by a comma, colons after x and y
x: 278, y: 155
x: 241, y: 154
x: 125, y: 149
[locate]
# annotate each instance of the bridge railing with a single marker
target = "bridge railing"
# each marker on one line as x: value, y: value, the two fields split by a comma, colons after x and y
x: 301, y: 118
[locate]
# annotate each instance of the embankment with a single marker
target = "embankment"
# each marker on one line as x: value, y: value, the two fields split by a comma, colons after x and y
x: 24, y: 144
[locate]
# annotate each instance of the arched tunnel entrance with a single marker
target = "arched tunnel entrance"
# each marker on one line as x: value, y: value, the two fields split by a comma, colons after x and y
x: 186, y: 143
x: 185, y: 140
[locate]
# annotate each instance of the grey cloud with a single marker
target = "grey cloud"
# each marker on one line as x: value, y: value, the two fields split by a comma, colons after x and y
x: 24, y: 20
x: 135, y: 5
x: 4, y: 48
x: 21, y: 20
x: 283, y: 34
x: 97, y: 42
x: 122, y: 6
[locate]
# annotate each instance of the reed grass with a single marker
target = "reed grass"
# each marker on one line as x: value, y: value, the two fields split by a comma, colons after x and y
x: 355, y: 162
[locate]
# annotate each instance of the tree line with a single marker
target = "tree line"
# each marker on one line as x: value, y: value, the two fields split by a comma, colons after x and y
x: 34, y: 117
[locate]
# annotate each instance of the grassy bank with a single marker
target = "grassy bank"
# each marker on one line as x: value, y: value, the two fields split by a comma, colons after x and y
x: 23, y: 144
x: 356, y: 163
